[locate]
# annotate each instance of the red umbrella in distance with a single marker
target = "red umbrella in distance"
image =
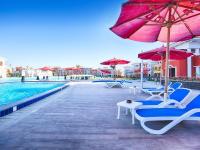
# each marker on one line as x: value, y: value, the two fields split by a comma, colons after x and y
x: 46, y: 69
x: 159, y: 54
x: 113, y: 62
x: 69, y: 68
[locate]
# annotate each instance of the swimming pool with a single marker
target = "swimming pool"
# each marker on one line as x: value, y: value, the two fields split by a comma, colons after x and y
x: 14, y: 92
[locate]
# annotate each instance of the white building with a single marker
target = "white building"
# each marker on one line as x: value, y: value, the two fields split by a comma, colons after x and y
x: 3, y: 70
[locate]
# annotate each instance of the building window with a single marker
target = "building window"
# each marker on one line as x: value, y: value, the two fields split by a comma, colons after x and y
x: 197, y: 71
x: 193, y: 50
x: 184, y: 50
x: 198, y: 52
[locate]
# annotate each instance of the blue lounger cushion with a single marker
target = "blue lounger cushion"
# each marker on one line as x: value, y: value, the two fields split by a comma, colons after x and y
x: 175, y: 85
x: 178, y: 95
x: 163, y: 112
x: 160, y: 112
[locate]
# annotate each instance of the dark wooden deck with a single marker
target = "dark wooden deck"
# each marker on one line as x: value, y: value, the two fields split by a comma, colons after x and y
x: 83, y: 117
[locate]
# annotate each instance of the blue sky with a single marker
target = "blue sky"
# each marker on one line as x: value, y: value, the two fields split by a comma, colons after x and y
x: 63, y: 33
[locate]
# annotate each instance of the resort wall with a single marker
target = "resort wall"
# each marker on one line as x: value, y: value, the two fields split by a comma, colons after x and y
x: 181, y: 67
x: 187, y: 84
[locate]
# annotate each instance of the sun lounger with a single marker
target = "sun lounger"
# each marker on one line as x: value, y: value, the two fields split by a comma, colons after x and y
x: 114, y: 84
x: 155, y: 88
x: 177, y: 98
x: 175, y: 115
x: 157, y: 93
x: 117, y: 84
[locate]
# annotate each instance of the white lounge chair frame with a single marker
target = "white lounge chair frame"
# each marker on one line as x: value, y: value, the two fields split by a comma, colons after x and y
x: 157, y: 94
x: 114, y: 84
x: 175, y: 121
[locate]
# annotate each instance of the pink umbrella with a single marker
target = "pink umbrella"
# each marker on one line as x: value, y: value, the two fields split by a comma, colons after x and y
x: 159, y: 54
x: 159, y: 20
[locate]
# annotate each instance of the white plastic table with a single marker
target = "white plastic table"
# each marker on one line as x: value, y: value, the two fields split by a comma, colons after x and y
x: 129, y: 106
x: 134, y: 90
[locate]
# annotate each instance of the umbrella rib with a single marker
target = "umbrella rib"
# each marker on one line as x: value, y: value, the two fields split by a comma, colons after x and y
x: 151, y: 24
x: 195, y: 7
x: 186, y: 25
x: 175, y: 9
x: 145, y: 19
x: 157, y: 23
x: 150, y: 11
x: 186, y: 18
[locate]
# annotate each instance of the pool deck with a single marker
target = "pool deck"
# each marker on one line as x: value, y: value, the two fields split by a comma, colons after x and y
x: 83, y: 117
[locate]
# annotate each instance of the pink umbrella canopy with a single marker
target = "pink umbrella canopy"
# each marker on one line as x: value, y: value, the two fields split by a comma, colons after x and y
x: 148, y: 20
x: 159, y: 20
x: 114, y: 62
x: 159, y: 54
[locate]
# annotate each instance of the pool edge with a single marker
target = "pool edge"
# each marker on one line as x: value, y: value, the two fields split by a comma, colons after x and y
x: 28, y: 101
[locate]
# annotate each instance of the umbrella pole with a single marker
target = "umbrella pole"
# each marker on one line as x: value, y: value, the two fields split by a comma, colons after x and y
x: 113, y: 74
x: 141, y: 73
x: 167, y: 64
x: 161, y: 72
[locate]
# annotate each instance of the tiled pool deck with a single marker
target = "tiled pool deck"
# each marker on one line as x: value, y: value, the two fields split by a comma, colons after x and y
x: 83, y: 117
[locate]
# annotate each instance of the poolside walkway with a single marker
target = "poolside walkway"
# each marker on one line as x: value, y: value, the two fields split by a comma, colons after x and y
x: 83, y: 117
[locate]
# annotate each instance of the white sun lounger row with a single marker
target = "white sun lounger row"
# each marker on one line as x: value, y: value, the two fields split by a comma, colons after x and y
x: 158, y: 92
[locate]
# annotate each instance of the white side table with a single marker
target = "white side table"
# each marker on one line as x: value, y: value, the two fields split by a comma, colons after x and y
x: 132, y: 106
x: 133, y: 89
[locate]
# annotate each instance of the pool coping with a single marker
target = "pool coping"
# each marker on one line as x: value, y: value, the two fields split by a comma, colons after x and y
x: 10, y: 108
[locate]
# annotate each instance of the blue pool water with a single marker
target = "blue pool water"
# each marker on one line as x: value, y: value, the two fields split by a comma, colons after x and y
x: 13, y: 92
x: 18, y: 79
